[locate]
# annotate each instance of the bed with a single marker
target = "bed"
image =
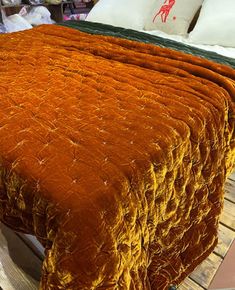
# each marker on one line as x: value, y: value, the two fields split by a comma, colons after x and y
x: 114, y: 152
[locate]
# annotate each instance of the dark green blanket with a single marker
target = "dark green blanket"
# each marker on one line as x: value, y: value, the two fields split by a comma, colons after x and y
x: 104, y: 29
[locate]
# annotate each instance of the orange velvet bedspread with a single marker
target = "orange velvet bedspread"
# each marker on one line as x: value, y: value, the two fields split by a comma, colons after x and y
x: 114, y: 154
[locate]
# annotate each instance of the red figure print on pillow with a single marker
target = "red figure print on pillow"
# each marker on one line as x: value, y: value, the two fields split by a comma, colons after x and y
x: 165, y: 10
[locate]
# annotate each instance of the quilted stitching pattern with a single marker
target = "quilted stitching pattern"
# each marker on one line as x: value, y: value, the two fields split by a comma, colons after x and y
x: 114, y: 154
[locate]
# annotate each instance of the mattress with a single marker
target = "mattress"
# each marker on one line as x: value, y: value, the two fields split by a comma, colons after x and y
x: 114, y: 153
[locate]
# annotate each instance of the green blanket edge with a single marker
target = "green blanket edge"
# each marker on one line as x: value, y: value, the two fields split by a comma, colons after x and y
x: 104, y: 29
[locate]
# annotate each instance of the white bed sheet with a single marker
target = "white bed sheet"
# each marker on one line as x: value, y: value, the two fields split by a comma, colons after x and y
x: 225, y: 51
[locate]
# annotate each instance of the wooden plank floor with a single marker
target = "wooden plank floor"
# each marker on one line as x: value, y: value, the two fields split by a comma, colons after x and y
x: 20, y: 263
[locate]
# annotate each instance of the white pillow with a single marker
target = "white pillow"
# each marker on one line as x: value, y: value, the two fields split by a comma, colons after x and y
x: 122, y: 13
x: 216, y: 24
x: 172, y: 16
x: 15, y: 23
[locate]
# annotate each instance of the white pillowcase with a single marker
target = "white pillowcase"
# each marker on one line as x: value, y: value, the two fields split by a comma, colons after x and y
x: 122, y: 13
x: 15, y: 23
x: 216, y: 24
x: 172, y: 16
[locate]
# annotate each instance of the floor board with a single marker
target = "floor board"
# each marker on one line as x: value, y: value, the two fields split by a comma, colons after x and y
x: 205, y: 272
x: 230, y: 190
x: 228, y: 214
x: 189, y: 284
x: 226, y: 237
